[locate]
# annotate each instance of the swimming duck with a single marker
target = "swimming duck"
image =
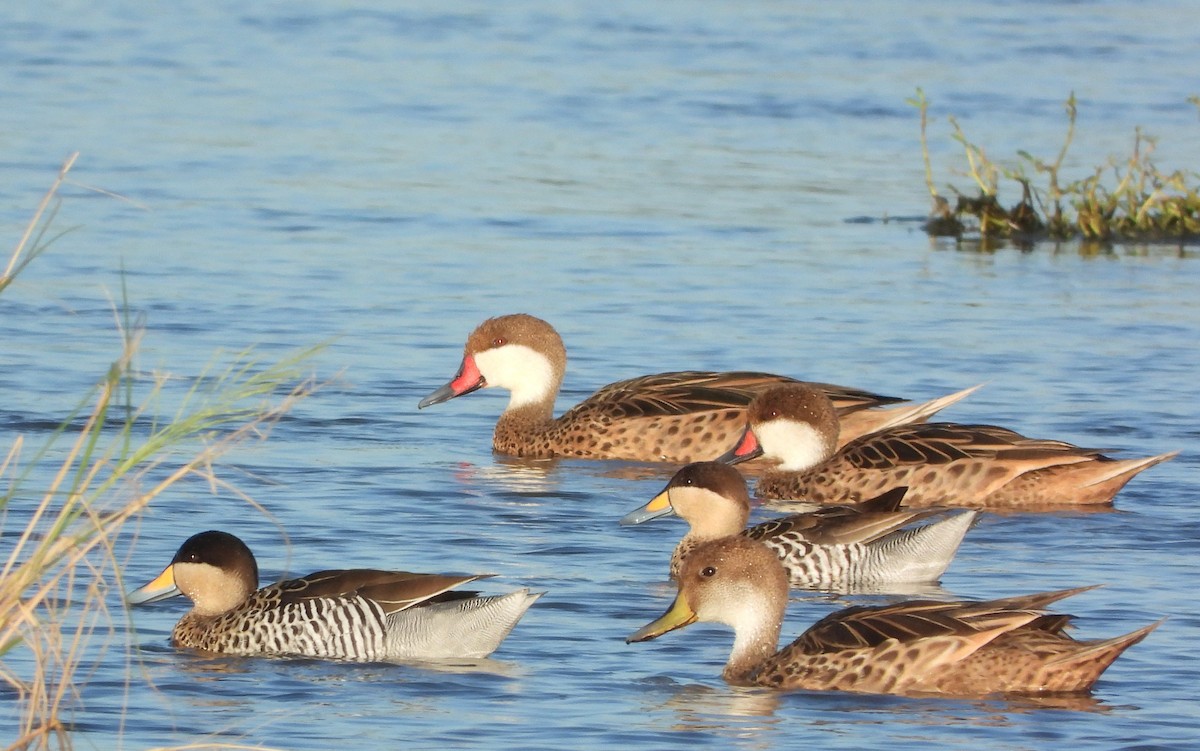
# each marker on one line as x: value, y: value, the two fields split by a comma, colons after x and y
x: 1008, y: 646
x: 942, y: 464
x: 669, y: 417
x: 358, y: 614
x: 832, y: 547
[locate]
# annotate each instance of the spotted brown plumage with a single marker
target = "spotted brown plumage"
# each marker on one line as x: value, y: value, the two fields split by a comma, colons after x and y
x: 942, y: 464
x: 351, y: 614
x: 678, y: 417
x: 969, y: 649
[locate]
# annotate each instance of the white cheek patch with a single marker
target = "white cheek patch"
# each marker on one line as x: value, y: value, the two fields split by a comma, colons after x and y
x: 744, y: 615
x: 748, y: 613
x: 797, y: 446
x: 523, y: 371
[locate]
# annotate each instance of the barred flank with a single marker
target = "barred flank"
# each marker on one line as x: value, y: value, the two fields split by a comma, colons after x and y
x: 818, y: 565
x: 350, y: 628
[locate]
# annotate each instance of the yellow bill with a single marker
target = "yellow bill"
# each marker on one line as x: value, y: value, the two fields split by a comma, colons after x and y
x: 161, y: 588
x: 680, y: 614
x: 659, y: 505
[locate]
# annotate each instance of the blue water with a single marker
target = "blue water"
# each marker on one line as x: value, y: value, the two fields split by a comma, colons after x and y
x: 670, y: 185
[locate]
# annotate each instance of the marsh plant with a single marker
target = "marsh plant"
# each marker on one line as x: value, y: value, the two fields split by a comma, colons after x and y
x: 65, y: 501
x: 1130, y: 199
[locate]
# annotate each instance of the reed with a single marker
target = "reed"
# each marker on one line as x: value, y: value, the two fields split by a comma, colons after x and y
x: 1130, y: 199
x: 106, y: 462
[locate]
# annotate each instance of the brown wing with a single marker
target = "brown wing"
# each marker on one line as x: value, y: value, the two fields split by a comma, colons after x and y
x: 394, y: 590
x: 690, y: 391
x: 885, y: 502
x: 859, y: 627
x: 843, y: 525
x: 943, y: 442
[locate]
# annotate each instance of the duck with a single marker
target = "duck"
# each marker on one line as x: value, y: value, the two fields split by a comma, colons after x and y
x: 676, y: 417
x: 830, y: 548
x: 915, y: 647
x: 361, y: 615
x: 941, y: 463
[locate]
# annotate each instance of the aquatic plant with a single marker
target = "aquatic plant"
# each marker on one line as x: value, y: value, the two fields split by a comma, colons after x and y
x: 106, y: 462
x: 1129, y: 199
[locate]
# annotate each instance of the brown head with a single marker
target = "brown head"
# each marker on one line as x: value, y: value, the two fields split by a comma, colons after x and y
x: 215, y: 570
x: 735, y: 581
x: 517, y: 352
x: 710, y: 496
x: 795, y: 425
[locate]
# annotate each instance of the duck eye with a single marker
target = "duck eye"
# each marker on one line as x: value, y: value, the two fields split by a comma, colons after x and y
x: 499, y: 341
x: 708, y: 572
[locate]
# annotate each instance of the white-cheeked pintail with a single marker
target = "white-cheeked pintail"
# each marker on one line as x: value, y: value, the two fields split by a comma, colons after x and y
x: 674, y: 417
x: 942, y: 464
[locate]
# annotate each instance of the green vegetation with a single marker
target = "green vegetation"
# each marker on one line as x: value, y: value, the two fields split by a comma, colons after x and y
x: 106, y: 462
x: 1123, y: 200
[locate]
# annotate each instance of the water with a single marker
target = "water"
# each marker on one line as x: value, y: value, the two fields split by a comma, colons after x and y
x: 669, y: 185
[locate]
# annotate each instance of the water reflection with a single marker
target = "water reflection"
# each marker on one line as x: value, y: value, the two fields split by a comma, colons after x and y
x: 937, y: 710
x: 537, y: 477
x: 724, y: 710
x: 611, y: 470
x: 214, y: 667
x: 711, y: 708
x: 532, y: 477
x: 1088, y: 249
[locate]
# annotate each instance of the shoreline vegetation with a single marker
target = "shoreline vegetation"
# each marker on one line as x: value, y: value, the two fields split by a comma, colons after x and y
x: 1130, y: 200
x: 103, y: 465
x: 65, y: 503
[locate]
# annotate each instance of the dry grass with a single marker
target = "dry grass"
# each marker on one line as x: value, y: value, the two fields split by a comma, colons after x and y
x: 60, y: 563
x: 1128, y: 199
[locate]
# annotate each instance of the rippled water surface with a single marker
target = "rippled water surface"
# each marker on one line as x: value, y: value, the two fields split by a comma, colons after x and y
x: 670, y: 185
